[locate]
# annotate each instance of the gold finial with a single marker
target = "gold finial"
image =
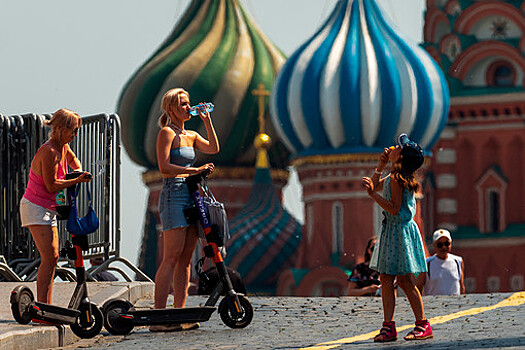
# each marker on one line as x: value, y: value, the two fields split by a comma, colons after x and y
x: 261, y: 92
x: 262, y: 140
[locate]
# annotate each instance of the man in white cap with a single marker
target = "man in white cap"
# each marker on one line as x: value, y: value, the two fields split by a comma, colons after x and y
x: 445, y: 270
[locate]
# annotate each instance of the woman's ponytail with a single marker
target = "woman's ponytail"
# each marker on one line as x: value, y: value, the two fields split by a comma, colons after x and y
x: 170, y: 100
x: 163, y: 120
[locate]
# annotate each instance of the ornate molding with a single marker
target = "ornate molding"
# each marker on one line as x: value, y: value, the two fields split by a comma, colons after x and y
x: 150, y: 176
x: 336, y: 159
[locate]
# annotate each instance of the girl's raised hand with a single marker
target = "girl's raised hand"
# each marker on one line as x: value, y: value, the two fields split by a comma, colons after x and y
x: 368, y: 184
x: 383, y: 158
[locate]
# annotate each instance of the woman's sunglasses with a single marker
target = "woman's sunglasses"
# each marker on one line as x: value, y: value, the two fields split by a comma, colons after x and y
x: 441, y: 244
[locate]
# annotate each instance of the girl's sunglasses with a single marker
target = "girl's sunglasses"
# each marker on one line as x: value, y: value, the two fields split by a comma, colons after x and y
x: 441, y: 244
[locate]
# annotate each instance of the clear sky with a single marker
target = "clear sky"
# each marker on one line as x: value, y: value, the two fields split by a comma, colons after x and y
x: 79, y: 54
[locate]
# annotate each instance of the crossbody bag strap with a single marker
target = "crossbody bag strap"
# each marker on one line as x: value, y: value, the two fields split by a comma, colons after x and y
x: 88, y: 192
x: 207, y: 191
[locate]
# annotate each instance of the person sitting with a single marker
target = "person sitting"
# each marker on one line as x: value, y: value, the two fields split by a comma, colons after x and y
x: 445, y: 270
x: 364, y: 280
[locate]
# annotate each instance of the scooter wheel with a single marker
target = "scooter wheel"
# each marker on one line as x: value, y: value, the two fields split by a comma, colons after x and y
x: 21, y: 300
x: 112, y: 320
x: 240, y: 321
x: 93, y: 328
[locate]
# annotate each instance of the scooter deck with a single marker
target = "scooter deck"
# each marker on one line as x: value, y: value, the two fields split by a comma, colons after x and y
x: 175, y: 315
x: 54, y: 313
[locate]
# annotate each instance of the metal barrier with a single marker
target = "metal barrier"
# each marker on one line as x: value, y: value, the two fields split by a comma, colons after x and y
x: 97, y: 146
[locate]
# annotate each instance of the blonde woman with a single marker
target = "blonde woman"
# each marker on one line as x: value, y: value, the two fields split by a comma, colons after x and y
x: 175, y: 157
x: 47, y: 180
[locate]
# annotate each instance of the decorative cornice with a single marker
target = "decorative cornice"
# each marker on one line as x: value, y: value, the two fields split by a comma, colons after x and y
x: 363, y: 158
x: 336, y: 159
x: 150, y: 176
x: 514, y: 97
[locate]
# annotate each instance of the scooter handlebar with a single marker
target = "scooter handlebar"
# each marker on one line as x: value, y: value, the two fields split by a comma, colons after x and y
x: 193, y: 180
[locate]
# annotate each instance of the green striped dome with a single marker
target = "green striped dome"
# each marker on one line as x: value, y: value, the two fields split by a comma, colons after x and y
x: 218, y: 55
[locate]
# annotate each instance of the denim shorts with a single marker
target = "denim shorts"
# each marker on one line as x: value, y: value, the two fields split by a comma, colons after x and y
x: 174, y: 198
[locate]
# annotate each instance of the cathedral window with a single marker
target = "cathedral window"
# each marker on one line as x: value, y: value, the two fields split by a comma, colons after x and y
x: 337, y: 227
x: 493, y: 210
x: 501, y: 74
x: 491, y: 189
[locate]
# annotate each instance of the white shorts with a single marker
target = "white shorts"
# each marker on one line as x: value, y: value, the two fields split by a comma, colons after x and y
x: 33, y: 214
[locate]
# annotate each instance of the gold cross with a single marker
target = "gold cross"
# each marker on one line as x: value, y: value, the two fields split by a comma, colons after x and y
x: 261, y: 93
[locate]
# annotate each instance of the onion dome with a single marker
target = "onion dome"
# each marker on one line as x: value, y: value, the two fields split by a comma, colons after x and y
x: 355, y: 85
x: 264, y: 236
x: 218, y: 55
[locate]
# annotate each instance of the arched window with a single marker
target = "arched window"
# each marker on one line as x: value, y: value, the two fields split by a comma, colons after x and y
x: 502, y: 74
x: 337, y: 227
x: 491, y: 189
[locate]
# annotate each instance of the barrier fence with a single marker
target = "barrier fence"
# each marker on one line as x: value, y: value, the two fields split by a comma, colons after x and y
x: 97, y: 146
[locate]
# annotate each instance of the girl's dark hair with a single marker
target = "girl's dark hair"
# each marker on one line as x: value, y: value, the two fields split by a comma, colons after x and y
x: 368, y: 257
x: 405, y: 178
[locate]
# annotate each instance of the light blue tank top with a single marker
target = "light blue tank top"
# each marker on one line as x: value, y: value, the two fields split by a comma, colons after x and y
x: 182, y: 156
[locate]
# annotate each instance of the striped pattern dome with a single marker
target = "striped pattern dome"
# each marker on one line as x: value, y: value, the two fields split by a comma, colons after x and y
x: 264, y: 237
x: 355, y: 85
x: 218, y: 55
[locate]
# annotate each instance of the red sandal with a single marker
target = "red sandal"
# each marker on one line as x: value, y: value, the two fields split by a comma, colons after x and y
x: 421, y: 331
x: 387, y: 333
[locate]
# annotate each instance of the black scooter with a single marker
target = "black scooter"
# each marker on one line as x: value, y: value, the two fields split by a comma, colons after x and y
x: 120, y: 316
x: 83, y: 316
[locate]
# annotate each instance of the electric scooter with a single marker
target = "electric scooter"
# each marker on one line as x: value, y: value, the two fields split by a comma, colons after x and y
x: 235, y: 310
x: 83, y: 316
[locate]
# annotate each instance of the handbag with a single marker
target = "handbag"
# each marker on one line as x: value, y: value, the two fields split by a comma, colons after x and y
x: 81, y: 226
x: 216, y: 212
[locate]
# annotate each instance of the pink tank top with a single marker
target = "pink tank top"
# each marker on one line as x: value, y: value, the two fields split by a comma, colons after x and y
x: 36, y: 191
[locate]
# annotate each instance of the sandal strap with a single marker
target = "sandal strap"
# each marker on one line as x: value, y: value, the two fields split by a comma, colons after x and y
x: 418, y: 329
x: 385, y: 330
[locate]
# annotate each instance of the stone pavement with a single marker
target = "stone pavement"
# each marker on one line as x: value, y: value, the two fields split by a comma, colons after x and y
x: 474, y: 321
x: 17, y: 336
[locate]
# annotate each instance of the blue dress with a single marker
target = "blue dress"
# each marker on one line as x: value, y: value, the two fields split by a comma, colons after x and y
x: 399, y: 249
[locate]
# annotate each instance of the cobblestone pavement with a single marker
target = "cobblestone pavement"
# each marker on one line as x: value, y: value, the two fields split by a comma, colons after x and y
x: 474, y: 321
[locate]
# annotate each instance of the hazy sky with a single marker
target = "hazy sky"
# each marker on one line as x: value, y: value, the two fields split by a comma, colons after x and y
x: 79, y: 54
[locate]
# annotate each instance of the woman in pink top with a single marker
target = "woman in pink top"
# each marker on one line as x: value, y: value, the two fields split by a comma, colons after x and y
x: 46, y: 182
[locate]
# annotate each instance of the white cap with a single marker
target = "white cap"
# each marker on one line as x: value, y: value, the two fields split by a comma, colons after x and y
x: 441, y: 233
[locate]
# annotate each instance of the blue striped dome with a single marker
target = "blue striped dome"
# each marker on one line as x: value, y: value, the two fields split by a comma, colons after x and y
x: 355, y: 85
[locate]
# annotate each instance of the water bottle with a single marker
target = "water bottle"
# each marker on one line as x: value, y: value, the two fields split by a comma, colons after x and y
x: 61, y: 198
x: 208, y: 107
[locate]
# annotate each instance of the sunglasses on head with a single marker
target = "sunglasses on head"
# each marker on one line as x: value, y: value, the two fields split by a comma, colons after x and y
x: 441, y: 244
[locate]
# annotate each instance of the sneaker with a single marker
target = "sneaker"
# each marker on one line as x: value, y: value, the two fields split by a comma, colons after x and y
x: 387, y: 333
x: 165, y: 327
x: 190, y: 326
x: 421, y: 331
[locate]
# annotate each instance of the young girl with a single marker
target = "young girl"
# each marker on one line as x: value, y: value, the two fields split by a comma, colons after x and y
x: 399, y: 250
